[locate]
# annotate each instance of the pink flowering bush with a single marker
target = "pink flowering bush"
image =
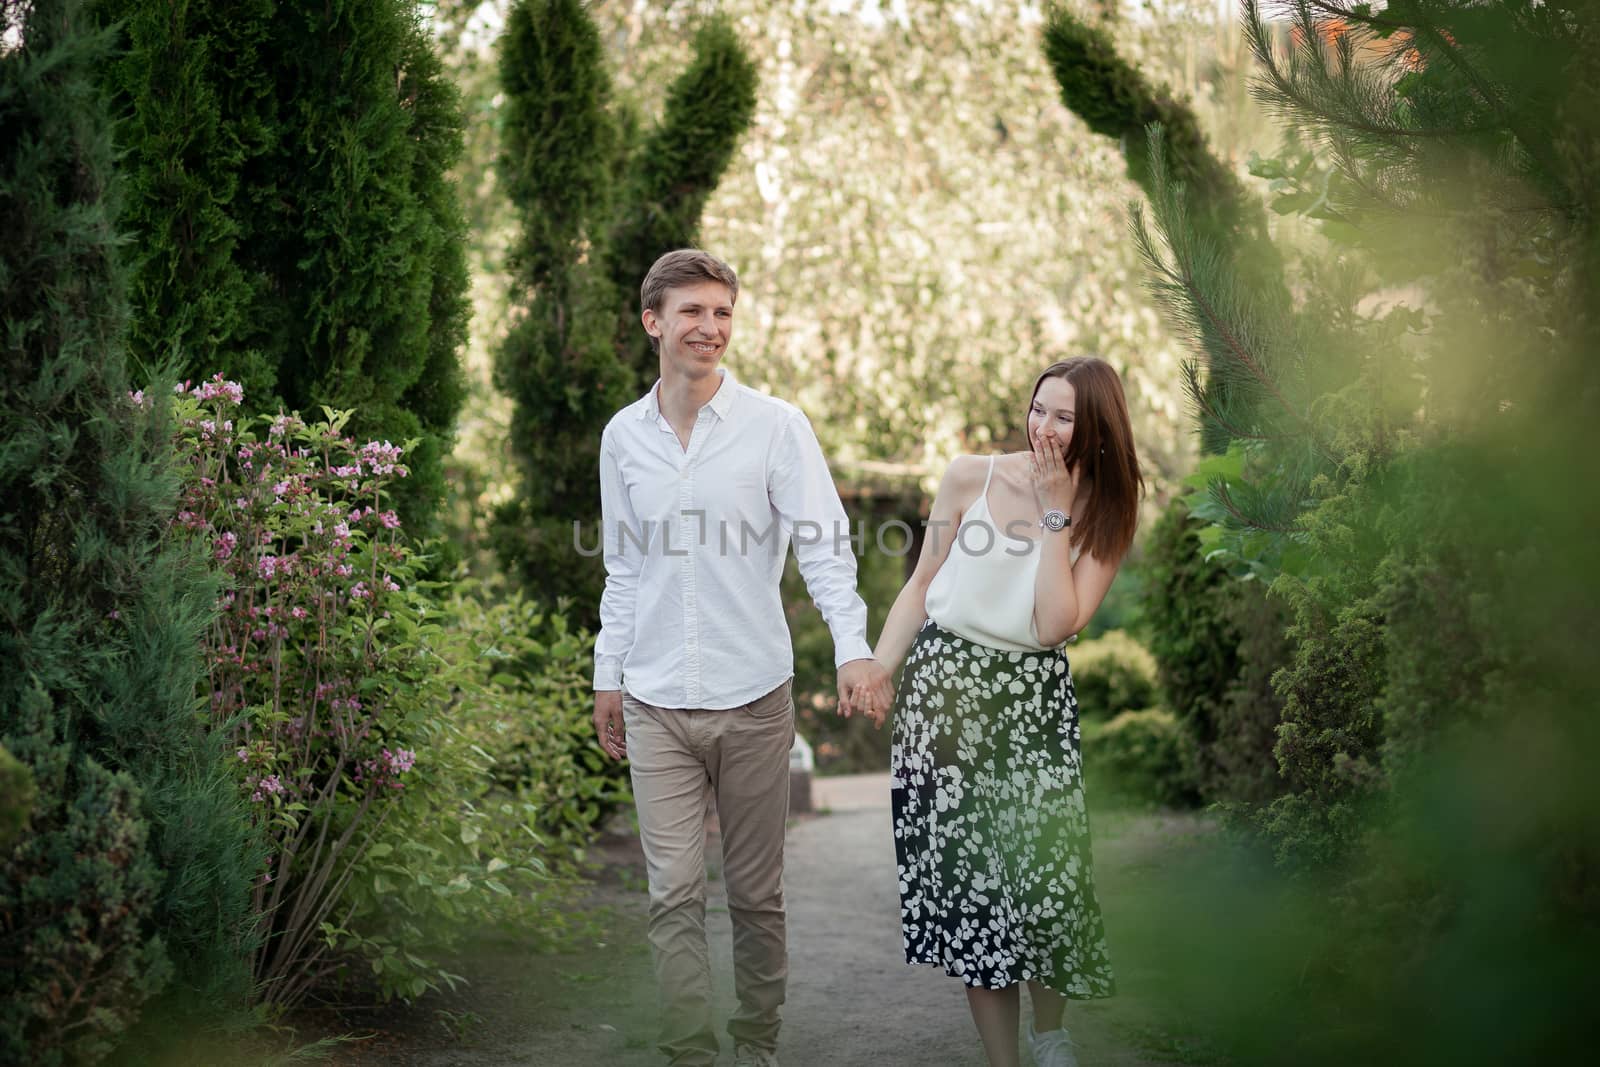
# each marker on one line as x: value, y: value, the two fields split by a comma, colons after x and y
x: 329, y: 668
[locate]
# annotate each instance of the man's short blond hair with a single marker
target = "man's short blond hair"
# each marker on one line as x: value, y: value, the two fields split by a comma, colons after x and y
x: 685, y: 266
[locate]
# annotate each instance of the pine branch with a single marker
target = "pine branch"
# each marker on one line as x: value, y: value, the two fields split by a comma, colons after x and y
x: 1194, y: 388
x: 1171, y: 217
x: 1286, y: 94
x: 1224, y: 498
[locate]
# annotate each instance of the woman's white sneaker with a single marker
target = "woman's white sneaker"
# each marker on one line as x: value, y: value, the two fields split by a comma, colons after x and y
x: 1053, y: 1048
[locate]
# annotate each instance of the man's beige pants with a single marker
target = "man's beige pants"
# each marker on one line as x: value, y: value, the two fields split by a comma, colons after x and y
x: 741, y: 755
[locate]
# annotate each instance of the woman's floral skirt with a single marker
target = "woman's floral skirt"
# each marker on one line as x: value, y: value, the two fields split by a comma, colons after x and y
x: 991, y: 833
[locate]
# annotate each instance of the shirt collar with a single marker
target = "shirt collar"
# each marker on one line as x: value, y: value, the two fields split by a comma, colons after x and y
x: 721, y: 401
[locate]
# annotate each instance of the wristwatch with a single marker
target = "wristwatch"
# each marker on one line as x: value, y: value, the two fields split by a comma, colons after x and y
x: 1055, y: 519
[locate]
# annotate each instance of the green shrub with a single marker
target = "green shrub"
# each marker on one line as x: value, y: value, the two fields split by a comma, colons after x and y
x: 1217, y: 642
x: 531, y: 704
x: 333, y: 676
x: 1236, y: 736
x: 1111, y: 674
x: 77, y: 894
x: 1185, y: 625
x: 1138, y: 758
x: 1329, y: 741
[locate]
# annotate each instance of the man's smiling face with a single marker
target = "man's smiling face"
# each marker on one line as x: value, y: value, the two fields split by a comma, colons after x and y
x: 693, y: 327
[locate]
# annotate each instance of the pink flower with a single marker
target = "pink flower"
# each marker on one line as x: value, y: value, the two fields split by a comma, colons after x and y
x: 137, y: 397
x: 225, y: 545
x: 381, y: 458
x: 359, y: 591
x: 267, y: 566
x: 400, y: 760
x: 244, y: 753
x: 390, y: 520
x: 266, y: 787
x: 218, y: 388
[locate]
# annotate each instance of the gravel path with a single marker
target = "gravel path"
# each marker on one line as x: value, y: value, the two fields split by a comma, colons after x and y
x: 852, y: 1000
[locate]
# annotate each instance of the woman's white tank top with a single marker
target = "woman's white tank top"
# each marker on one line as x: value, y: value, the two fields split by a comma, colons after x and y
x: 984, y: 589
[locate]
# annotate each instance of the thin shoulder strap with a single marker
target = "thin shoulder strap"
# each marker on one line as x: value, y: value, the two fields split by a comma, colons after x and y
x: 987, y: 477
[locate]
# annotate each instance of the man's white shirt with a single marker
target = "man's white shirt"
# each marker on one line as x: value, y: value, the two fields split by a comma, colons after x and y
x: 695, y: 541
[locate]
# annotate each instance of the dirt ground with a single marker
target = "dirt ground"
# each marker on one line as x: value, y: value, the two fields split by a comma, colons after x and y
x: 852, y: 999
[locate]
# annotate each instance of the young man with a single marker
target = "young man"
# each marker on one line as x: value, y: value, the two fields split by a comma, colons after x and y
x: 703, y: 482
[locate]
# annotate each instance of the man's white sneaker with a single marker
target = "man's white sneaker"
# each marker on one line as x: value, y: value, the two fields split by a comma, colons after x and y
x: 750, y: 1056
x: 1053, y: 1048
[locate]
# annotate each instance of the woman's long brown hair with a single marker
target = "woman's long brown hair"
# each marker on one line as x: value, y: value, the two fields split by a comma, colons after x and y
x: 1102, y: 442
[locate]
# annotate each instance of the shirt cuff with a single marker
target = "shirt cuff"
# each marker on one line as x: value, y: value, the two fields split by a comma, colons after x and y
x: 607, y: 673
x: 849, y: 648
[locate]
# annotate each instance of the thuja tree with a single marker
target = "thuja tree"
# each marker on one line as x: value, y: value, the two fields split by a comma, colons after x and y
x: 198, y: 110
x: 293, y: 220
x: 673, y: 169
x: 598, y: 197
x: 133, y: 875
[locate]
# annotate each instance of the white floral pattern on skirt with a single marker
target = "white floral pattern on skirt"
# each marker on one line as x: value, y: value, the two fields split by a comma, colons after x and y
x: 990, y: 828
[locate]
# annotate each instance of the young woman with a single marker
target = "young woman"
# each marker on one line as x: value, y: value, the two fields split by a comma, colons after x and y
x: 996, y: 883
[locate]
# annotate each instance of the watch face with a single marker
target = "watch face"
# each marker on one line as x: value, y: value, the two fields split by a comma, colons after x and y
x: 1055, y: 520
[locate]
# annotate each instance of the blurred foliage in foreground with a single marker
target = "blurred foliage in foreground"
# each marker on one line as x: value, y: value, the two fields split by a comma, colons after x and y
x: 1412, y: 444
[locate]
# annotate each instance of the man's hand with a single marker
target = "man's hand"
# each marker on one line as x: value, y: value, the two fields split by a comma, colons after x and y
x: 865, y: 686
x: 608, y: 723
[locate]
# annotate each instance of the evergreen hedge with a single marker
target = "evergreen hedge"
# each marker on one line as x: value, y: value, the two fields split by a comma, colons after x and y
x: 293, y: 221
x: 134, y: 873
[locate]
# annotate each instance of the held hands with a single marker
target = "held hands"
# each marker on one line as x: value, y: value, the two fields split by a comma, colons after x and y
x: 608, y: 723
x: 1055, y: 485
x: 864, y: 686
